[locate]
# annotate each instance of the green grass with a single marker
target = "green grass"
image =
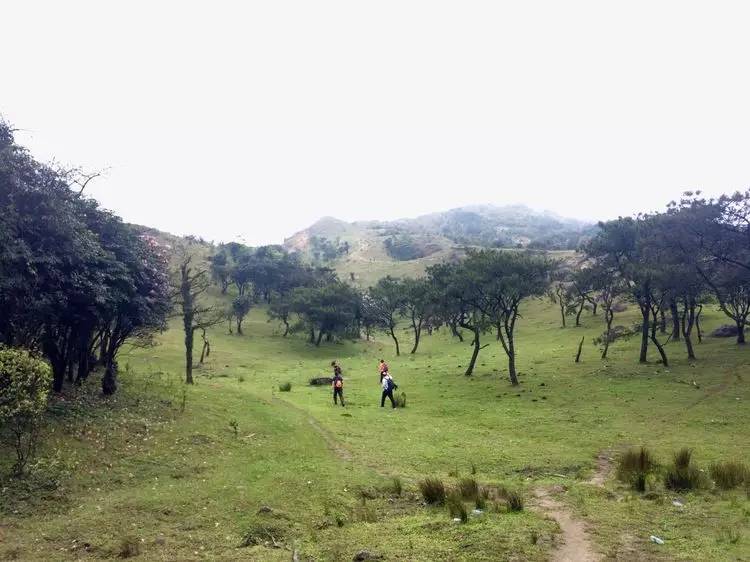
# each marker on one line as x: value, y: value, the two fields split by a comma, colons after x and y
x: 186, y: 487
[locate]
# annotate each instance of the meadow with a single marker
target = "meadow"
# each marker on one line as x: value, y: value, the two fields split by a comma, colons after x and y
x: 233, y: 468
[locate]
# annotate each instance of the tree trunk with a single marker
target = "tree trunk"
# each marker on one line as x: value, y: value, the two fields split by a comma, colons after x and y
x: 320, y: 337
x: 654, y: 339
x: 312, y: 334
x: 740, y: 332
x: 474, y: 354
x: 239, y: 326
x: 395, y: 340
x: 109, y: 380
x: 562, y: 312
x: 286, y: 328
x: 698, y: 323
x: 675, y: 320
x: 594, y: 307
x: 580, y: 349
x: 609, y: 315
x: 510, y: 350
x: 417, y: 334
x: 189, y: 355
x: 578, y: 314
x: 662, y: 322
x: 688, y: 321
x: 646, y: 317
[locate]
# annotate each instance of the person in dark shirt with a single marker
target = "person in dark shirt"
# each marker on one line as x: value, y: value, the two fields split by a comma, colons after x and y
x: 337, y: 384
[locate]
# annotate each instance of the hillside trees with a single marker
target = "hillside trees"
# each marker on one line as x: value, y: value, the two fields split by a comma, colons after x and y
x: 326, y: 310
x: 387, y: 300
x: 418, y: 306
x: 74, y: 279
x: 190, y: 282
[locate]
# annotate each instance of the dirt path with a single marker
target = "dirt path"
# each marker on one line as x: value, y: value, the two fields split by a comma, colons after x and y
x: 576, y: 546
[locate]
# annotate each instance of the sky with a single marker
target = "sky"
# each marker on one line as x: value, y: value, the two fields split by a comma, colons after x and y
x: 250, y: 120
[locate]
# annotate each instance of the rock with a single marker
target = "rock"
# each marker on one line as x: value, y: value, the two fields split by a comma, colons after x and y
x: 363, y: 555
x: 265, y: 509
x: 656, y: 539
x: 160, y: 540
x: 677, y: 503
x: 321, y: 381
x: 725, y: 331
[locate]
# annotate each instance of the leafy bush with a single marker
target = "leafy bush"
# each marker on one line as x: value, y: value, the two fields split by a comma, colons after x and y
x: 456, y: 507
x: 285, y: 387
x: 433, y: 491
x: 24, y: 388
x: 634, y: 466
x: 730, y: 474
x: 683, y: 475
x: 468, y: 488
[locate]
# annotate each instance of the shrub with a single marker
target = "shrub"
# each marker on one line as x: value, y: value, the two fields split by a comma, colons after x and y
x: 468, y: 489
x: 433, y: 491
x: 285, y: 387
x: 24, y: 387
x: 683, y: 475
x: 240, y: 378
x: 480, y: 502
x: 456, y: 507
x: 513, y: 499
x: 731, y: 474
x: 634, y: 466
x: 400, y: 400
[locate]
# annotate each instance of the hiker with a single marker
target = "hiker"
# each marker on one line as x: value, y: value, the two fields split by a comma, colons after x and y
x: 338, y: 387
x: 382, y: 368
x: 388, y: 387
x: 336, y: 368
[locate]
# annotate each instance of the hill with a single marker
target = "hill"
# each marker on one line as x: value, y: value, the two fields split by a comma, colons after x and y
x: 367, y: 250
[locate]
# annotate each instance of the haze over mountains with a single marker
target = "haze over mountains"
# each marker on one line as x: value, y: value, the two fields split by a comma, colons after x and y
x: 511, y: 226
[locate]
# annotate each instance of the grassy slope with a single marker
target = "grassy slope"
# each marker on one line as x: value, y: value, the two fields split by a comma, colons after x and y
x: 184, y: 485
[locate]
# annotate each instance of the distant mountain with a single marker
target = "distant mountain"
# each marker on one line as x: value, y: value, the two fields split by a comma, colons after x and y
x: 512, y: 226
x: 370, y: 249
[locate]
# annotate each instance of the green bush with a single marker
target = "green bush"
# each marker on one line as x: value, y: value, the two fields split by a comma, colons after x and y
x: 730, y: 474
x: 634, y: 466
x: 513, y: 499
x: 683, y: 475
x: 433, y: 491
x: 24, y: 388
x: 285, y: 387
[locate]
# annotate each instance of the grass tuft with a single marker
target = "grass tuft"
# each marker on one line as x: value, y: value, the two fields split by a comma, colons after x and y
x: 285, y: 387
x: 634, y: 466
x: 433, y: 491
x: 129, y: 548
x: 456, y: 507
x: 468, y: 488
x: 513, y: 499
x: 400, y: 400
x: 683, y: 475
x: 397, y: 486
x: 730, y: 474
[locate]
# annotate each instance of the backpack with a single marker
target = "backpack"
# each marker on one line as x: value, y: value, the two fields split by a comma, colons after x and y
x: 339, y: 383
x: 392, y: 385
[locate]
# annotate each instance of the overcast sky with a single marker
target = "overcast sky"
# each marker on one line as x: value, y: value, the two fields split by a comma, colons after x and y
x: 250, y: 120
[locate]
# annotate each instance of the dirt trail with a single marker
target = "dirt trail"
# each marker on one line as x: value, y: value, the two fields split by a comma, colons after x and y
x: 576, y: 545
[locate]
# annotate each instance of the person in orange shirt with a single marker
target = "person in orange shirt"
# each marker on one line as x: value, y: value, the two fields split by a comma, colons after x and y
x: 382, y: 368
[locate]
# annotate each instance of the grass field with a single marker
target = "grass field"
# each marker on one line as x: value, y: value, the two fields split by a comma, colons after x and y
x: 168, y: 472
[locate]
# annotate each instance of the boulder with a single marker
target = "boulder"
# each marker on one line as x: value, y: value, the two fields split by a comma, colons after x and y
x: 321, y: 381
x: 725, y: 331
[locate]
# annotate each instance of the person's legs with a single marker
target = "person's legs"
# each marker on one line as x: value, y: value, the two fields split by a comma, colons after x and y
x: 382, y: 398
x: 390, y: 396
x: 335, y: 394
x: 340, y: 393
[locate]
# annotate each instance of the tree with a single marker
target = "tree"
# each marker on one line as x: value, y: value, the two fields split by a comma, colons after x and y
x: 241, y: 306
x: 609, y: 285
x: 457, y: 294
x: 504, y: 280
x: 418, y: 306
x: 388, y: 298
x: 329, y: 309
x: 24, y: 386
x: 190, y: 284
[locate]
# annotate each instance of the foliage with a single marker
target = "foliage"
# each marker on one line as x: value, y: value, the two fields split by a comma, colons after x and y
x: 24, y: 387
x: 75, y: 279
